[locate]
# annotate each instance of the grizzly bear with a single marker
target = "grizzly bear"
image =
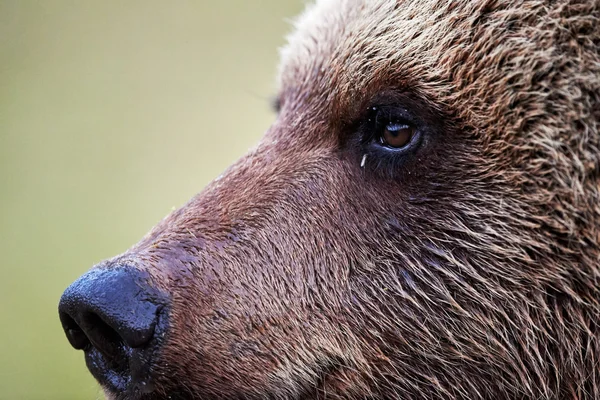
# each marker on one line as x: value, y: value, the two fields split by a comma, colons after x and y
x: 421, y: 221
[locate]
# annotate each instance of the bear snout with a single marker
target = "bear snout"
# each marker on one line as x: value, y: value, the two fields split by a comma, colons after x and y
x: 118, y: 319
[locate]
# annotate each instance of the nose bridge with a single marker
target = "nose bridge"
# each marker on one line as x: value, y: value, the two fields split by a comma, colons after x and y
x: 291, y: 153
x: 269, y: 183
x: 255, y: 182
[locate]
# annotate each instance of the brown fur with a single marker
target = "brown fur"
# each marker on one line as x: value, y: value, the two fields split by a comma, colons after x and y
x: 469, y: 271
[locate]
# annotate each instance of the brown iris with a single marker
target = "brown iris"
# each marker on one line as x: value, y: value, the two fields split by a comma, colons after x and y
x: 397, y: 135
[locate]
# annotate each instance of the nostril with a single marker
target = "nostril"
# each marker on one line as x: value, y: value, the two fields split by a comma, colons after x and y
x: 102, y: 336
x: 75, y: 334
x: 100, y: 328
x: 92, y: 330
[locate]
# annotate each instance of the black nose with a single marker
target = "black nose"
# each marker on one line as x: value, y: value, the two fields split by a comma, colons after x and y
x: 113, y: 312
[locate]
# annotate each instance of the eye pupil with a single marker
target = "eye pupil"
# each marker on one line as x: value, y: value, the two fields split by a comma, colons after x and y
x: 397, y: 135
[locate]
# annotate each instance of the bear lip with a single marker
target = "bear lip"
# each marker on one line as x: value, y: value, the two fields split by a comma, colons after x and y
x: 129, y: 374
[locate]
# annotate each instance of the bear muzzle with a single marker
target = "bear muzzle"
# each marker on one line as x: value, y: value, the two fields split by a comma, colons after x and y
x: 120, y: 321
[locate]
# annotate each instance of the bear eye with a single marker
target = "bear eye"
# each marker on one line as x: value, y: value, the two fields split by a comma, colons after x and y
x: 391, y: 128
x: 396, y: 134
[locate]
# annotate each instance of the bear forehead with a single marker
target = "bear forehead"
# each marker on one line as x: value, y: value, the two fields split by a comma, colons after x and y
x: 347, y: 48
x: 460, y: 56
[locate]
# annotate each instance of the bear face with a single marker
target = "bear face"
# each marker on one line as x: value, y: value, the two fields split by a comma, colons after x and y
x: 422, y: 220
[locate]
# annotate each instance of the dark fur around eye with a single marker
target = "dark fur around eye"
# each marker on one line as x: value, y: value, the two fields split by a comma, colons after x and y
x: 375, y: 153
x: 429, y: 132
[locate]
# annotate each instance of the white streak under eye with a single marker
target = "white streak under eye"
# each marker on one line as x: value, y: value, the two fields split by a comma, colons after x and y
x: 363, y: 161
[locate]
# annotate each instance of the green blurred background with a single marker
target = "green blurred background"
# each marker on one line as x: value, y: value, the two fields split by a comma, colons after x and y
x: 111, y: 114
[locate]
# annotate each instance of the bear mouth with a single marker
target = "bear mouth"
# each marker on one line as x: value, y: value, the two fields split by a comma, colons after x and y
x: 125, y: 373
x: 119, y: 386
